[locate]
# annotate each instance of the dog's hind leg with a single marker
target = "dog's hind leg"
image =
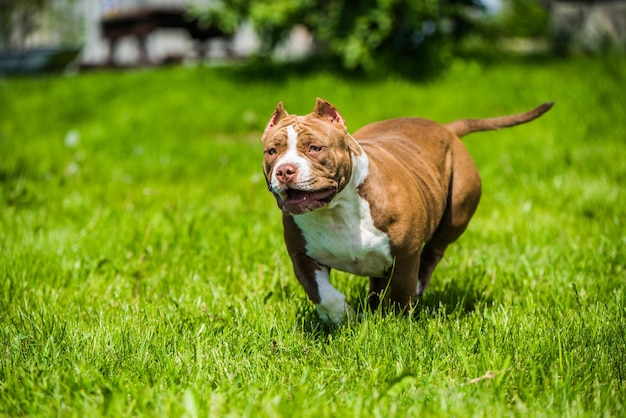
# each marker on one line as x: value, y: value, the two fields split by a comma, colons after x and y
x: 378, y: 285
x: 463, y: 197
x: 428, y: 261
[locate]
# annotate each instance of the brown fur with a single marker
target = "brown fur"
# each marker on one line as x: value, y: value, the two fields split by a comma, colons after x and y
x: 422, y: 188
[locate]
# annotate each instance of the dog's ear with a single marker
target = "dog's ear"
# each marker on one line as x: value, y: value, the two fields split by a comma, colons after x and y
x: 329, y: 113
x: 278, y: 114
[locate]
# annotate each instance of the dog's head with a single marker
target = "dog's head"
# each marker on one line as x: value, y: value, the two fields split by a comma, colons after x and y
x: 308, y: 159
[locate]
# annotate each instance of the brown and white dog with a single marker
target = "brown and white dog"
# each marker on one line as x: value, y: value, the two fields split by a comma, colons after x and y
x: 384, y: 202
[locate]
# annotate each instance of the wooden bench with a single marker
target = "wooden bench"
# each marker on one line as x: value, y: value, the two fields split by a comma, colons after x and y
x: 140, y: 23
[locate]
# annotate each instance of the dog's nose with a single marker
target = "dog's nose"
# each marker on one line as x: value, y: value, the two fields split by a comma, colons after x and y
x: 286, y: 173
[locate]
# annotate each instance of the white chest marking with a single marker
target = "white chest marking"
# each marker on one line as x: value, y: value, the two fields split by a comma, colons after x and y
x: 343, y: 236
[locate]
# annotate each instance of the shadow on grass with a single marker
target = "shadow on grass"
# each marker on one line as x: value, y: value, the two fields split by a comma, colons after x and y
x: 455, y: 299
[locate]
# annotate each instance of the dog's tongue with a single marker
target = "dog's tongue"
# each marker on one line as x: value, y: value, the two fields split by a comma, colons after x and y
x: 301, y: 201
x: 296, y: 196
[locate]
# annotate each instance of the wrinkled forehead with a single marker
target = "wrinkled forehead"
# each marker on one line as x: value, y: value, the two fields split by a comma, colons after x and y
x: 303, y: 126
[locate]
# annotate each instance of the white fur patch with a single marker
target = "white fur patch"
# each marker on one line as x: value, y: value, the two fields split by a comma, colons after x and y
x: 419, y: 291
x: 332, y: 308
x: 292, y: 156
x: 360, y: 166
x: 343, y: 236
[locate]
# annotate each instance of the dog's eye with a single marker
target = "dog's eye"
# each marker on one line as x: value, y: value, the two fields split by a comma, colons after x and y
x: 315, y: 148
x: 271, y: 151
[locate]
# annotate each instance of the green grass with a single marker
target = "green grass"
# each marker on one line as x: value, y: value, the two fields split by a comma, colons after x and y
x: 143, y: 273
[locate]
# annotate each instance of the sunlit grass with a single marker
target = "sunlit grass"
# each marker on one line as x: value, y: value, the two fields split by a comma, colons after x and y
x: 143, y: 269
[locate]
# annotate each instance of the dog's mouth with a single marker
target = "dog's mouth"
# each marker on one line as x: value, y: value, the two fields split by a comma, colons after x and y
x: 296, y: 202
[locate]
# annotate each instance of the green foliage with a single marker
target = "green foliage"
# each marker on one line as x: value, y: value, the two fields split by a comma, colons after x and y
x: 525, y: 18
x: 360, y: 32
x: 143, y: 272
x: 273, y: 19
x: 19, y: 19
x: 19, y: 16
x: 227, y: 16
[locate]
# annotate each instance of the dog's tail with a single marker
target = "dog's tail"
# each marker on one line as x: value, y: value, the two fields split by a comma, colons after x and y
x: 463, y: 127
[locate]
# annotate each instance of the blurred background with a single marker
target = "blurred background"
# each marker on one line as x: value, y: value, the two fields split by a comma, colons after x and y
x: 51, y: 35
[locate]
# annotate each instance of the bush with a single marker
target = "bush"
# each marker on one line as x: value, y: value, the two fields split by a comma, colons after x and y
x: 525, y: 18
x: 358, y: 32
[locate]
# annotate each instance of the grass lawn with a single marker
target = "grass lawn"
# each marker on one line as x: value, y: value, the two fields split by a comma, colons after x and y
x: 143, y: 272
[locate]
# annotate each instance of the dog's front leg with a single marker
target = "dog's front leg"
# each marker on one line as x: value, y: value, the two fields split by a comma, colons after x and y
x: 330, y: 303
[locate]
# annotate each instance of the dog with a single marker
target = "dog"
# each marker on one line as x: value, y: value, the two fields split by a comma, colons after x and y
x: 384, y: 202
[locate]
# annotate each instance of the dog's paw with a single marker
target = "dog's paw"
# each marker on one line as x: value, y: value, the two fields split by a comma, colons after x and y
x: 336, y: 313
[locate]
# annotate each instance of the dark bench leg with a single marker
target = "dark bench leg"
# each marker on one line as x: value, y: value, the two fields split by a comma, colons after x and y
x: 142, y: 43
